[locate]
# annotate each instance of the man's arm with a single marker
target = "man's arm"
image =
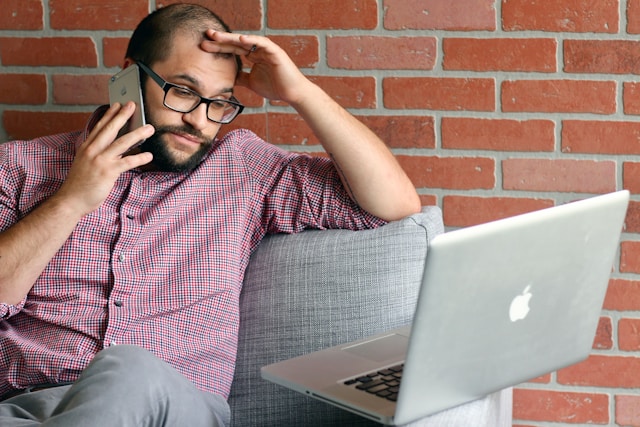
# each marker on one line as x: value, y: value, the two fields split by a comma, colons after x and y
x: 29, y: 245
x: 369, y: 171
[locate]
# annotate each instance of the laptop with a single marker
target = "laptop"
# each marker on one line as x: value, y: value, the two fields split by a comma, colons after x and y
x: 500, y: 303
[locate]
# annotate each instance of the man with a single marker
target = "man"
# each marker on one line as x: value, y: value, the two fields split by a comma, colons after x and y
x: 120, y: 270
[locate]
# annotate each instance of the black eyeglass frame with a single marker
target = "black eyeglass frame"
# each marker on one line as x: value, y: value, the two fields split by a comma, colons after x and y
x: 166, y: 87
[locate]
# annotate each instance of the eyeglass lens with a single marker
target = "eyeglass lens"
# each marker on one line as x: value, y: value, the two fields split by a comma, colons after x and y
x: 185, y: 101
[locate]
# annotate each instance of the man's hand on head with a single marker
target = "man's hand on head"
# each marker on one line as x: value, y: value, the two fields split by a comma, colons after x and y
x: 273, y: 74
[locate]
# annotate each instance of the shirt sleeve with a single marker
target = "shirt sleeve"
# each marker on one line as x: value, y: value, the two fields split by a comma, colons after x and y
x: 8, y: 189
x: 8, y: 211
x: 301, y: 191
x: 8, y: 310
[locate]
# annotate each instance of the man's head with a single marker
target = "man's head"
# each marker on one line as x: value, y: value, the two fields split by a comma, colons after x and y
x: 168, y: 41
x: 152, y: 39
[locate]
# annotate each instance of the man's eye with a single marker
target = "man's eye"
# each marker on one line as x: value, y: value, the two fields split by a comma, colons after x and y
x: 182, y: 92
x: 219, y: 103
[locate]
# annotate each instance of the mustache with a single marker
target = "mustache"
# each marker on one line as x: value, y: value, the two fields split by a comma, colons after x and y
x: 184, y: 130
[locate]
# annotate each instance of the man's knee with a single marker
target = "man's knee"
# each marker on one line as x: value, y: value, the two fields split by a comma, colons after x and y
x: 130, y: 359
x: 130, y: 367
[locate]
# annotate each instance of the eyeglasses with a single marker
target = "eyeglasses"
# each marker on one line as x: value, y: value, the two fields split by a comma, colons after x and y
x: 184, y: 100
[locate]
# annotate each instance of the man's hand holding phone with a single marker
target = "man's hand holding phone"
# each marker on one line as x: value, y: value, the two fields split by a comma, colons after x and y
x: 100, y: 161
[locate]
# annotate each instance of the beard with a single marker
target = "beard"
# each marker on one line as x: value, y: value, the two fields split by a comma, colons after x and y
x: 167, y: 161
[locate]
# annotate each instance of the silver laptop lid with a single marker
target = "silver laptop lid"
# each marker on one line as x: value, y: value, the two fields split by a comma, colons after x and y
x: 522, y: 297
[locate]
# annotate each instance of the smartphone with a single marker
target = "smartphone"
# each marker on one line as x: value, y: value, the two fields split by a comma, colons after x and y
x: 124, y: 87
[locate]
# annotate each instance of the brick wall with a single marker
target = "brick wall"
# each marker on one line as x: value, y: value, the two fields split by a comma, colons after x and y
x: 493, y: 107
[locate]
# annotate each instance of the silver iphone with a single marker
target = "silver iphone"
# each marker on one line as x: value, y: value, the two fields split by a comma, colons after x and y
x: 124, y: 87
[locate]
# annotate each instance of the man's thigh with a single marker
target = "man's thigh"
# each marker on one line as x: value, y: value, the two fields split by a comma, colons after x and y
x: 124, y: 386
x: 31, y: 409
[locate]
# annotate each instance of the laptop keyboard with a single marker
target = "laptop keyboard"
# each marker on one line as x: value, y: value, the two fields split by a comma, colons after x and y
x: 384, y: 383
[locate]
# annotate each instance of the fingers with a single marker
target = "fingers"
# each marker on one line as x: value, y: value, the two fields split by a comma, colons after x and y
x: 131, y: 139
x: 107, y: 128
x: 103, y: 135
x: 237, y: 44
x: 103, y: 140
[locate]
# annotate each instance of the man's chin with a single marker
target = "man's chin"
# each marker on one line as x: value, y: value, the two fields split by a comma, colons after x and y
x: 167, y: 159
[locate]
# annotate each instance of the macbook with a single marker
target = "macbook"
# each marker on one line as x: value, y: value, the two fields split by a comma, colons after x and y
x: 500, y: 303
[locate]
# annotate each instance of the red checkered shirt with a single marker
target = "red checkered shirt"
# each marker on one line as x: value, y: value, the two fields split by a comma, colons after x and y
x: 160, y: 264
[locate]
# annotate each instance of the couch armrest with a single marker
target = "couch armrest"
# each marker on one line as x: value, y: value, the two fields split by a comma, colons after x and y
x: 316, y: 289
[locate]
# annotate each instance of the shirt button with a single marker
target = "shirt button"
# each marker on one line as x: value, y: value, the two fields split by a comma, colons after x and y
x: 129, y: 216
x: 121, y: 257
x: 118, y: 303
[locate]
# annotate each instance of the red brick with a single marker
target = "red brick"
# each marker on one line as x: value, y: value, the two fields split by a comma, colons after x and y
x: 350, y: 92
x: 602, y: 371
x: 600, y: 137
x: 29, y: 124
x: 602, y: 56
x: 633, y: 16
x: 23, y: 89
x: 48, y: 51
x: 239, y: 15
x: 114, y: 50
x: 322, y: 14
x: 563, y: 175
x: 464, y: 211
x: 289, y: 129
x: 623, y: 295
x: 453, y: 94
x: 382, y: 53
x: 494, y: 54
x: 464, y: 15
x: 450, y: 172
x: 403, y: 131
x: 631, y: 177
x: 92, y: 15
x: 632, y: 222
x: 542, y: 379
x: 21, y: 15
x: 604, y: 335
x: 303, y: 50
x: 248, y: 97
x: 560, y: 406
x: 71, y: 89
x: 568, y: 16
x: 559, y: 96
x: 631, y: 98
x: 395, y: 131
x: 630, y: 257
x: 428, y: 200
x: 254, y: 122
x: 498, y: 134
x: 629, y: 334
x: 627, y: 410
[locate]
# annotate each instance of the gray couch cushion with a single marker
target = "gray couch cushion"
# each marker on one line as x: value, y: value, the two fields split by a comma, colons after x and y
x: 315, y: 289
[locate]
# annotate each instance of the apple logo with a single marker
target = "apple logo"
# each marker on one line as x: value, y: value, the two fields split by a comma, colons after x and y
x: 520, y: 305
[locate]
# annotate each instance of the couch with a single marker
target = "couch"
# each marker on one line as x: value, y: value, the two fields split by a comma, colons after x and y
x: 316, y: 289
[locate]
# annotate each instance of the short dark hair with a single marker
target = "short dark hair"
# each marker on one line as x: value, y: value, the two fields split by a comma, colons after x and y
x: 152, y: 39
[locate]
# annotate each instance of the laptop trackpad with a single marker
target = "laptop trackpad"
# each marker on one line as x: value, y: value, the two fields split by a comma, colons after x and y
x: 381, y: 349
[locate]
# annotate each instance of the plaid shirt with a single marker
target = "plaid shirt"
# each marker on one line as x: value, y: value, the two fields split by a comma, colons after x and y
x: 160, y: 264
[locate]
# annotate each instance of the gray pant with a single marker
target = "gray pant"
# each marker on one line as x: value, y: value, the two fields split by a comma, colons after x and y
x: 122, y: 386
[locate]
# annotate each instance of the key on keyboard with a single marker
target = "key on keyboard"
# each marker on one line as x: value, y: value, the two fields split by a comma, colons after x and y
x: 384, y: 383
